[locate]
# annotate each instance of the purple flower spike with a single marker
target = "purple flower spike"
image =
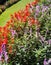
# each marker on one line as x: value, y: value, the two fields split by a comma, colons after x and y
x: 44, y: 8
x: 6, y: 56
x: 13, y: 32
x: 4, y: 52
x: 45, y: 62
x: 37, y: 9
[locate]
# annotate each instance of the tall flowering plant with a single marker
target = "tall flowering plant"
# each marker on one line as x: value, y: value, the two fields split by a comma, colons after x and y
x: 26, y: 37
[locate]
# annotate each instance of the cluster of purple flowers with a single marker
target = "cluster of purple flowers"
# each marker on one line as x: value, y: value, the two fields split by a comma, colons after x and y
x: 3, y: 53
x: 47, y: 62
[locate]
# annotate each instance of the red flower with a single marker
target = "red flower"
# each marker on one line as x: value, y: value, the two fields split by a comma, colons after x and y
x: 31, y: 21
x: 17, y: 15
x: 0, y: 41
x: 10, y: 49
x: 27, y: 13
x: 5, y: 29
x: 24, y: 18
x: 4, y: 34
x: 27, y: 6
x: 36, y: 22
x: 8, y: 24
x: 5, y: 41
x: 11, y: 21
x: 1, y: 29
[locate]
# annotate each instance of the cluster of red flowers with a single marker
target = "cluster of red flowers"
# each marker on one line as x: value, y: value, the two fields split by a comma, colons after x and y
x: 23, y: 16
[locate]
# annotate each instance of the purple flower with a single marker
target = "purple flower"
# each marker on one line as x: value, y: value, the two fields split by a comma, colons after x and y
x: 49, y: 41
x: 45, y: 62
x: 13, y: 32
x: 3, y: 47
x: 37, y: 9
x: 3, y: 52
x: 44, y: 8
x: 6, y: 56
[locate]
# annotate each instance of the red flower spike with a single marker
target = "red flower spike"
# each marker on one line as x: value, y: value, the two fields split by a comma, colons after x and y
x: 24, y: 18
x: 27, y: 13
x: 27, y: 6
x: 15, y: 14
x: 5, y: 41
x: 4, y: 34
x: 18, y: 16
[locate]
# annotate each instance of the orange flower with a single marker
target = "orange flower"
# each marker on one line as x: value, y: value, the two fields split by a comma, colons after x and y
x: 2, y: 60
x: 12, y: 40
x: 9, y: 49
x: 27, y: 6
x: 36, y: 22
x: 17, y: 15
x: 0, y: 29
x: 8, y: 24
x: 4, y: 34
x: 27, y: 13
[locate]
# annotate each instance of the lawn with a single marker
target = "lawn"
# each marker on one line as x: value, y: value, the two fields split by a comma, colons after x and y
x: 16, y: 7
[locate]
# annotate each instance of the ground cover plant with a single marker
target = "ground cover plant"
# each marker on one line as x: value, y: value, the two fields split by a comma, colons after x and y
x: 26, y: 37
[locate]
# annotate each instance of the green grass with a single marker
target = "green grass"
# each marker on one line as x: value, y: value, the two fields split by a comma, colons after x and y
x: 16, y: 7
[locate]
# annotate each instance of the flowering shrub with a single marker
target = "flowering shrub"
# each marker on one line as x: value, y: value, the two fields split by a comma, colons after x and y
x: 26, y: 37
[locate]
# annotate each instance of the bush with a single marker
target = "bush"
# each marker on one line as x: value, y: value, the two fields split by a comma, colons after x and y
x: 26, y: 37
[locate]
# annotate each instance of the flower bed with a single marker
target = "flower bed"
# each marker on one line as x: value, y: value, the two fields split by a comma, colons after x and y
x: 26, y: 37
